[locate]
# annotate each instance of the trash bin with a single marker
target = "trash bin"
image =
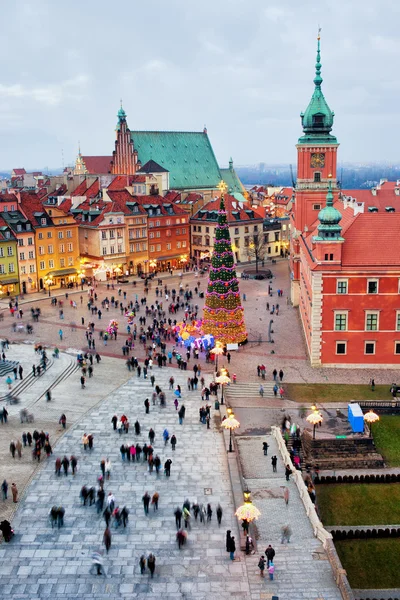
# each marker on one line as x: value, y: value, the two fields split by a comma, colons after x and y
x: 216, y: 405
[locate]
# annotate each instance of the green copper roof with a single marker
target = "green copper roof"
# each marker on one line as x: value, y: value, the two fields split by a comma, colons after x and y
x: 188, y: 156
x: 232, y: 180
x: 121, y: 117
x: 317, y: 120
x: 329, y: 218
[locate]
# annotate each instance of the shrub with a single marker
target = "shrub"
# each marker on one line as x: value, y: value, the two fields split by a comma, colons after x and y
x: 361, y: 478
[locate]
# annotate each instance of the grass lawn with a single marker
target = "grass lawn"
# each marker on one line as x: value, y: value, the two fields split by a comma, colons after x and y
x: 371, y: 564
x: 359, y: 504
x: 387, y: 439
x: 334, y: 392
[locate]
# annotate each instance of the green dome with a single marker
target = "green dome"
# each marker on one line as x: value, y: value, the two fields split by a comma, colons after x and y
x: 317, y: 120
x: 121, y: 114
x: 329, y: 218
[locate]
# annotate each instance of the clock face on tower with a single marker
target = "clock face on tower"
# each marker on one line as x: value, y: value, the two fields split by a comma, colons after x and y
x: 317, y: 160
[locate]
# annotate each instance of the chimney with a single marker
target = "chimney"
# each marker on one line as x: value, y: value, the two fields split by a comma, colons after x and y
x: 397, y: 191
x: 373, y: 191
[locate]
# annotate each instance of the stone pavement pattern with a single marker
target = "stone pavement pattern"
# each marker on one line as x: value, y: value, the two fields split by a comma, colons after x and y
x: 67, y: 397
x: 41, y: 562
x: 302, y: 571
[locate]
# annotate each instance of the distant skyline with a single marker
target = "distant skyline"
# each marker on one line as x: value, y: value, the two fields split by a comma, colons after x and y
x: 244, y: 69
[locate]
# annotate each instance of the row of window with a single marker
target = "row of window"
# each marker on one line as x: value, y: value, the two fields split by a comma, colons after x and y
x: 11, y: 268
x: 51, y: 263
x: 138, y: 247
x: 342, y: 286
x: 369, y: 348
x: 61, y: 248
x: 167, y: 222
x: 21, y: 242
x: 32, y: 269
x: 10, y: 251
x: 60, y: 234
x: 168, y: 233
x: 207, y: 229
x: 111, y: 234
x: 137, y: 233
x: 31, y: 255
x: 168, y: 246
x: 341, y: 320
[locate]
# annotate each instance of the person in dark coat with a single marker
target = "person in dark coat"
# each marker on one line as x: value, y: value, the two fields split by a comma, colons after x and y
x: 167, y: 467
x: 65, y: 464
x: 228, y: 540
x: 114, y: 422
x: 107, y: 516
x: 232, y: 548
x: 269, y: 553
x: 107, y: 539
x: 178, y: 517
x: 137, y: 428
x: 151, y: 564
x: 147, y: 405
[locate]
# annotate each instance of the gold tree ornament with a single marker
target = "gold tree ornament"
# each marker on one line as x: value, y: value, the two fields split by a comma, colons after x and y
x: 222, y: 187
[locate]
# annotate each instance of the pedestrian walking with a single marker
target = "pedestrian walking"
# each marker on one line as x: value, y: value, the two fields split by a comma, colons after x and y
x: 261, y: 565
x: 97, y: 564
x: 270, y: 554
x: 14, y: 491
x: 107, y: 539
x: 274, y: 374
x: 146, y: 502
x: 60, y: 333
x: 12, y: 448
x: 147, y: 406
x: 18, y: 446
x: 219, y: 514
x: 274, y: 461
x: 4, y: 490
x: 151, y: 564
x: 286, y: 495
x: 20, y: 371
x: 167, y: 467
x: 178, y: 517
x: 228, y: 540
x: 232, y: 548
x: 154, y: 501
x: 173, y: 441
x: 261, y: 391
x: 280, y: 375
x: 286, y: 533
x: 142, y: 564
x: 62, y: 421
x: 288, y: 472
x: 265, y: 448
x: 276, y: 390
x: 281, y: 392
x: 271, y: 571
x: 107, y: 466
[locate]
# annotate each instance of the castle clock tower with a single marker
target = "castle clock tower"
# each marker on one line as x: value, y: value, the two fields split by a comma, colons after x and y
x: 316, y: 168
x: 124, y: 160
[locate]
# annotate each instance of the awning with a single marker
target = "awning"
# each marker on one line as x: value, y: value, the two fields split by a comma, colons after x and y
x: 62, y: 272
x: 8, y: 281
x: 162, y: 258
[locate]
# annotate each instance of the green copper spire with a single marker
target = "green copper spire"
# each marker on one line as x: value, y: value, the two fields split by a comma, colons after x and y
x: 329, y: 218
x: 121, y: 116
x: 317, y: 120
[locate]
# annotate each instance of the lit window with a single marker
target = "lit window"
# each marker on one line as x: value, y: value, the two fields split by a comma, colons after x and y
x: 62, y: 262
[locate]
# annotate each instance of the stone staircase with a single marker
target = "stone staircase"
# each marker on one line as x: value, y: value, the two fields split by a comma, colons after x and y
x: 334, y: 453
x: 7, y: 366
x: 249, y: 390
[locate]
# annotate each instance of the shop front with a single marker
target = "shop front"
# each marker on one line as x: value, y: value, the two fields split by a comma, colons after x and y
x: 62, y: 278
x: 9, y: 286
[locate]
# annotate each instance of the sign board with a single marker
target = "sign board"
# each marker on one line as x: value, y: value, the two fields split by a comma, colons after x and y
x: 232, y: 347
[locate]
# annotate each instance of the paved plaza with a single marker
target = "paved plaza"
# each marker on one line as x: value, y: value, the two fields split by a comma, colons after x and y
x: 41, y: 562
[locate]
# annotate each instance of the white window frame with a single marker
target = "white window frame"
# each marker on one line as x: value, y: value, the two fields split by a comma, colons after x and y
x: 395, y: 344
x: 372, y: 312
x: 346, y: 281
x: 373, y: 280
x: 365, y: 347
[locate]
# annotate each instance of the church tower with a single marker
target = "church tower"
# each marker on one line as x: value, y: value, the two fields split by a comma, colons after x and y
x: 316, y: 170
x: 316, y: 155
x: 124, y: 160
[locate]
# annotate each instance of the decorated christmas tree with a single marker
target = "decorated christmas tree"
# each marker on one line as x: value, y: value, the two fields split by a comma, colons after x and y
x: 223, y: 315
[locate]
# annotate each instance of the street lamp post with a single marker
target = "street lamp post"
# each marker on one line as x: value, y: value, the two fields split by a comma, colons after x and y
x: 223, y: 379
x: 49, y: 282
x: 217, y: 351
x: 230, y: 423
x: 315, y: 418
x: 371, y: 417
x: 247, y: 512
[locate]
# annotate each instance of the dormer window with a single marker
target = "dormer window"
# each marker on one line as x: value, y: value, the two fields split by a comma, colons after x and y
x: 317, y: 177
x: 318, y: 120
x: 43, y: 221
x: 19, y: 227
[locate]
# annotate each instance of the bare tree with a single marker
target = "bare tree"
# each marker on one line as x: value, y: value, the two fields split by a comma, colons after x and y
x: 257, y: 248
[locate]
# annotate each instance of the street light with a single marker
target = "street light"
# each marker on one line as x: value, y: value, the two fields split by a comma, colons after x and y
x: 315, y: 418
x: 217, y: 351
x: 223, y: 379
x: 49, y: 282
x: 230, y: 423
x: 371, y: 417
x: 247, y: 512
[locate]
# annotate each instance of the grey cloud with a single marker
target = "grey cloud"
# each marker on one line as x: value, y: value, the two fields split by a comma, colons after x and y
x: 243, y: 68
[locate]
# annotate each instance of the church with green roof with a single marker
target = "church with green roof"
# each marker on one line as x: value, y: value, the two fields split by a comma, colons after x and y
x: 187, y: 156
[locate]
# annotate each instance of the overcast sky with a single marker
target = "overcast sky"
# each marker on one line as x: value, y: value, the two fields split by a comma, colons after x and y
x: 242, y: 67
